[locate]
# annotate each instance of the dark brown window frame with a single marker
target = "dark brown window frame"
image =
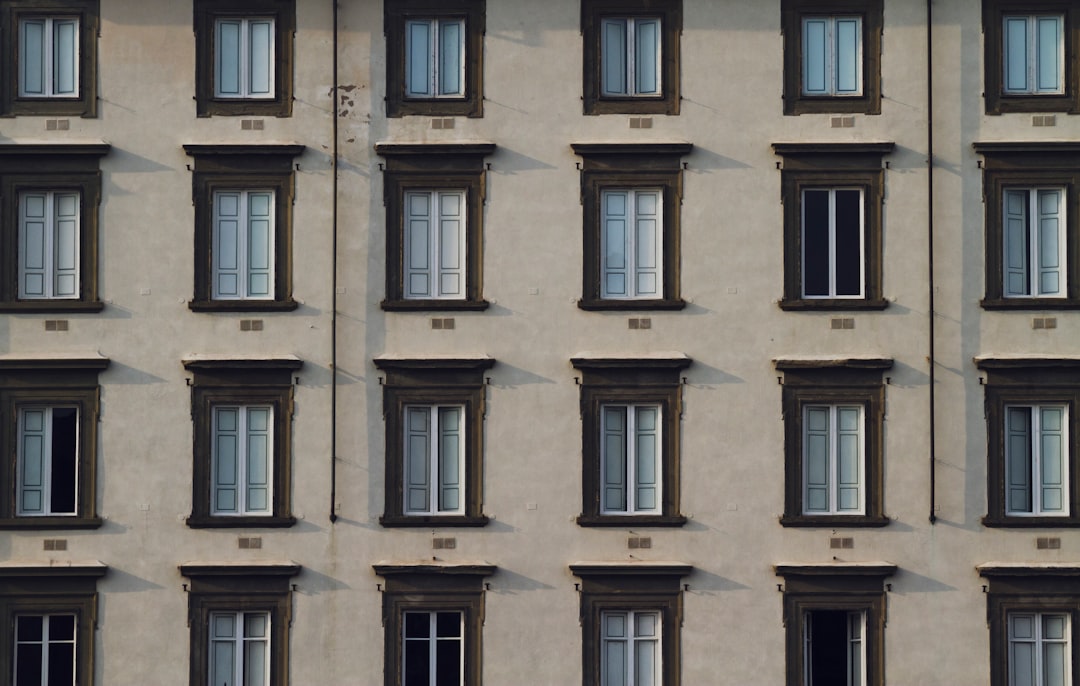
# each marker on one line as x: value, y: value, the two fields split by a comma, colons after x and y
x: 11, y: 103
x: 1028, y: 588
x: 1027, y: 380
x: 53, y: 381
x: 848, y: 587
x: 654, y: 380
x: 206, y: 12
x: 795, y: 102
x: 434, y: 166
x: 227, y: 381
x: 643, y: 586
x: 670, y: 13
x: 256, y: 587
x: 433, y: 587
x: 397, y: 12
x: 50, y: 167
x: 993, y: 17
x: 1009, y: 164
x: 631, y: 165
x: 426, y: 381
x: 239, y: 167
x: 852, y: 380
x: 52, y: 589
x: 832, y: 165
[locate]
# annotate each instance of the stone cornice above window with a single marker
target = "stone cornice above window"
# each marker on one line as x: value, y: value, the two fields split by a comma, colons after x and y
x: 283, y: 568
x: 826, y: 363
x: 66, y: 149
x: 1005, y: 362
x: 50, y: 570
x: 1011, y: 569
x: 434, y: 363
x: 53, y: 362
x: 588, y: 361
x: 477, y: 148
x: 210, y: 363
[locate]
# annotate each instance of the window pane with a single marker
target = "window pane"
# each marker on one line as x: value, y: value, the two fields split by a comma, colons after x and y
x: 65, y: 433
x: 448, y: 662
x: 417, y: 665
x: 32, y: 58
x: 647, y: 57
x: 29, y: 628
x: 1054, y: 661
x: 228, y: 58
x: 255, y: 663
x: 261, y: 58
x: 451, y: 48
x: 417, y: 624
x: 1048, y: 65
x: 28, y: 664
x: 644, y: 663
x: 1016, y: 54
x: 65, y: 57
x: 418, y: 58
x: 614, y: 663
x: 61, y: 664
x: 223, y: 662
x: 848, y: 242
x: 613, y: 57
x: 847, y: 56
x: 816, y: 243
x: 814, y: 61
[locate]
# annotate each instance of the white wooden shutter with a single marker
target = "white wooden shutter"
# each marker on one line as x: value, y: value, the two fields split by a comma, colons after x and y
x: 1048, y: 59
x: 49, y: 245
x: 451, y: 475
x: 417, y: 459
x: 646, y: 643
x: 260, y: 58
x: 226, y: 460
x: 65, y: 57
x: 256, y: 644
x: 34, y: 245
x: 816, y: 448
x: 613, y: 462
x: 815, y: 62
x: 613, y: 57
x: 1018, y: 465
x: 614, y: 632
x: 1016, y: 260
x: 417, y: 278
x: 228, y: 59
x: 647, y: 56
x: 66, y: 245
x: 614, y: 267
x: 260, y: 245
x: 1056, y: 638
x: 848, y: 65
x: 646, y: 459
x: 1022, y: 655
x: 227, y: 248
x: 419, y: 59
x: 223, y: 640
x: 257, y: 459
x: 1051, y: 274
x: 33, y: 460
x: 648, y: 252
x: 32, y: 58
x: 451, y: 67
x: 1053, y: 496
x: 451, y: 244
x: 849, y: 477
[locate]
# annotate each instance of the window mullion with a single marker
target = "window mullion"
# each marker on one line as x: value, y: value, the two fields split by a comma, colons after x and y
x: 631, y: 459
x: 433, y: 71
x: 834, y: 459
x: 434, y: 242
x: 433, y: 645
x: 48, y: 59
x: 49, y: 248
x: 1033, y: 220
x: 631, y: 57
x: 832, y: 243
x: 243, y: 438
x: 832, y: 77
x: 434, y: 461
x: 47, y: 462
x: 631, y: 245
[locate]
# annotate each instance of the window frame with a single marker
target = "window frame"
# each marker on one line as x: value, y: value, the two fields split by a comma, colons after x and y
x: 849, y: 587
x: 1028, y: 381
x: 206, y: 15
x: 50, y: 167
x: 595, y: 102
x: 654, y: 380
x: 428, y: 382
x: 793, y: 13
x: 251, y: 587
x: 52, y: 381
x: 638, y: 167
x: 229, y: 382
x: 997, y: 100
x: 815, y: 382
x: 633, y: 586
x: 433, y: 587
x: 227, y: 168
x: 397, y: 13
x: 12, y: 13
x: 31, y: 589
x: 434, y: 167
x: 1017, y: 165
x: 833, y: 166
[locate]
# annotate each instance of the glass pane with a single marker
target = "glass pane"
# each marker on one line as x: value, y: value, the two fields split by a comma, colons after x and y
x: 65, y: 451
x: 613, y: 665
x: 65, y: 57
x: 1016, y: 54
x: 647, y: 54
x: 614, y: 458
x: 228, y: 58
x: 814, y: 47
x: 32, y: 58
x: 417, y: 664
x: 849, y: 242
x: 613, y: 57
x: 451, y: 48
x: 223, y: 662
x: 815, y: 243
x: 1048, y: 65
x: 448, y: 662
x: 61, y: 627
x: 61, y: 664
x: 1054, y: 661
x: 847, y: 56
x: 255, y: 663
x: 28, y: 664
x: 418, y: 58
x: 1018, y: 463
x: 261, y: 58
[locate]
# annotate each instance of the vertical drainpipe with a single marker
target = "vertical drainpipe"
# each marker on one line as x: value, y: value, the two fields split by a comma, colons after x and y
x: 930, y: 242
x: 334, y: 272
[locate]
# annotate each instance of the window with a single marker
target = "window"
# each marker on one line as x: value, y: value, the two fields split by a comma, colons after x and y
x: 1026, y: 47
x: 435, y: 58
x: 433, y: 616
x: 239, y: 616
x: 50, y: 410
x: 833, y: 441
x: 243, y: 196
x: 434, y: 197
x: 630, y: 196
x: 47, y: 620
x: 1030, y: 194
x: 833, y: 195
x: 630, y: 440
x: 834, y: 616
x: 631, y: 56
x: 434, y: 411
x: 242, y: 412
x: 630, y: 619
x: 49, y: 198
x: 244, y: 57
x: 832, y: 56
x: 1031, y: 612
x: 1031, y: 427
x: 50, y: 53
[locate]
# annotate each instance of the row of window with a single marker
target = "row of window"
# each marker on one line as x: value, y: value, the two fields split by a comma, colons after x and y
x: 833, y: 197
x: 631, y: 615
x: 834, y: 414
x: 832, y: 56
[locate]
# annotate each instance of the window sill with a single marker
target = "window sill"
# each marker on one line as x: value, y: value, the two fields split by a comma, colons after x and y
x: 631, y: 520
x: 664, y: 105
x: 1004, y: 104
x: 42, y: 523
x: 834, y: 521
x: 997, y: 521
x: 240, y: 107
x: 431, y: 305
x: 208, y: 522
x: 836, y: 304
x: 467, y: 107
x: 804, y: 104
x: 1029, y: 304
x: 49, y: 107
x: 400, y: 520
x: 243, y: 305
x: 601, y: 305
x: 51, y: 306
